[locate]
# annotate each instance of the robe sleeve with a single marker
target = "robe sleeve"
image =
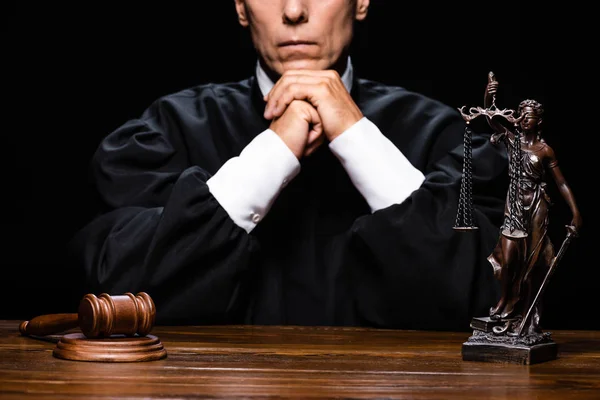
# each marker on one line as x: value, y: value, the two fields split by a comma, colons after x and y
x: 161, y: 230
x: 414, y: 269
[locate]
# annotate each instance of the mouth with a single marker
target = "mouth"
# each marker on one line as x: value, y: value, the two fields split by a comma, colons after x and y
x: 296, y: 43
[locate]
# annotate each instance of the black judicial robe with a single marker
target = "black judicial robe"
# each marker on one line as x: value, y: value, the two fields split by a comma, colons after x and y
x: 319, y: 257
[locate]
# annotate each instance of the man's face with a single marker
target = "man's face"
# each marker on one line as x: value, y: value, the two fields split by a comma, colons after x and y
x: 301, y: 34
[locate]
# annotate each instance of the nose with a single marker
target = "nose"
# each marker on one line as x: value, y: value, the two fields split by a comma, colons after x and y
x: 295, y: 12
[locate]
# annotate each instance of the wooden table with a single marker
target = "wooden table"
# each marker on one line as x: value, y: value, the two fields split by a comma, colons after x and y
x: 262, y: 362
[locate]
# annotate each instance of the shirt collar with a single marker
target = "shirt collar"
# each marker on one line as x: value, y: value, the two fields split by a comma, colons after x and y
x: 266, y: 84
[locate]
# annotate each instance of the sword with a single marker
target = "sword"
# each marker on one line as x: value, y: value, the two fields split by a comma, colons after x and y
x: 571, y: 233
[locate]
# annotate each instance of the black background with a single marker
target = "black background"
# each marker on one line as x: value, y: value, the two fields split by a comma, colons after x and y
x: 72, y: 74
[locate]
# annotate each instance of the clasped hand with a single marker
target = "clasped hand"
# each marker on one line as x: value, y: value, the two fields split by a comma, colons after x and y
x: 306, y: 107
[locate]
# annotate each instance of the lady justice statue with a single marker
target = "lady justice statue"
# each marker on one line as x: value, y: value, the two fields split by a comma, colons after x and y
x: 524, y: 257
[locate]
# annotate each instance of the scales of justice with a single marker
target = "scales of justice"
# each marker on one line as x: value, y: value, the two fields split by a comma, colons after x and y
x: 524, y: 259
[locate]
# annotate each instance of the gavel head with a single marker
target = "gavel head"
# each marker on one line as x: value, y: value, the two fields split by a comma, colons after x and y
x: 106, y: 315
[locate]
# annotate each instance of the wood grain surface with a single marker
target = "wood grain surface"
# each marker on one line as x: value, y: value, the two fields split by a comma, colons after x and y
x: 299, y: 362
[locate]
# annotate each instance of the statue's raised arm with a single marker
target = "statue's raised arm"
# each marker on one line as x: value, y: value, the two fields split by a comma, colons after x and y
x: 489, y: 102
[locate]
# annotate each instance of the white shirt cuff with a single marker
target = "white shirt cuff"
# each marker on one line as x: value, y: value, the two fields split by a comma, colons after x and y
x: 380, y: 172
x: 247, y: 185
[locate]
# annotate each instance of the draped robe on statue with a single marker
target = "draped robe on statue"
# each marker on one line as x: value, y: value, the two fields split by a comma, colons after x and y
x: 537, y: 248
x: 320, y: 256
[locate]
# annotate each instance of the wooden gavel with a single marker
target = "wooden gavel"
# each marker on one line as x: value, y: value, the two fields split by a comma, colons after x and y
x: 99, y: 317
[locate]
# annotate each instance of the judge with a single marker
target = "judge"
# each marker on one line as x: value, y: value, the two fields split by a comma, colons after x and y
x: 302, y: 195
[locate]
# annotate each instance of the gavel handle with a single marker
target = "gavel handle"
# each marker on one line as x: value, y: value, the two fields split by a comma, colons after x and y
x: 49, y: 324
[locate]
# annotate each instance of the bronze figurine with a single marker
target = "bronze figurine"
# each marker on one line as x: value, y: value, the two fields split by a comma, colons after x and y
x: 524, y: 257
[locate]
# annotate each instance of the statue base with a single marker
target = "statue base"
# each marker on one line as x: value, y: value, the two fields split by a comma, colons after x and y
x: 486, y: 346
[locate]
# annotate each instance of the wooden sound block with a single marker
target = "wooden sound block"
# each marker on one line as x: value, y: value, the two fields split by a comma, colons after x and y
x: 116, y: 348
